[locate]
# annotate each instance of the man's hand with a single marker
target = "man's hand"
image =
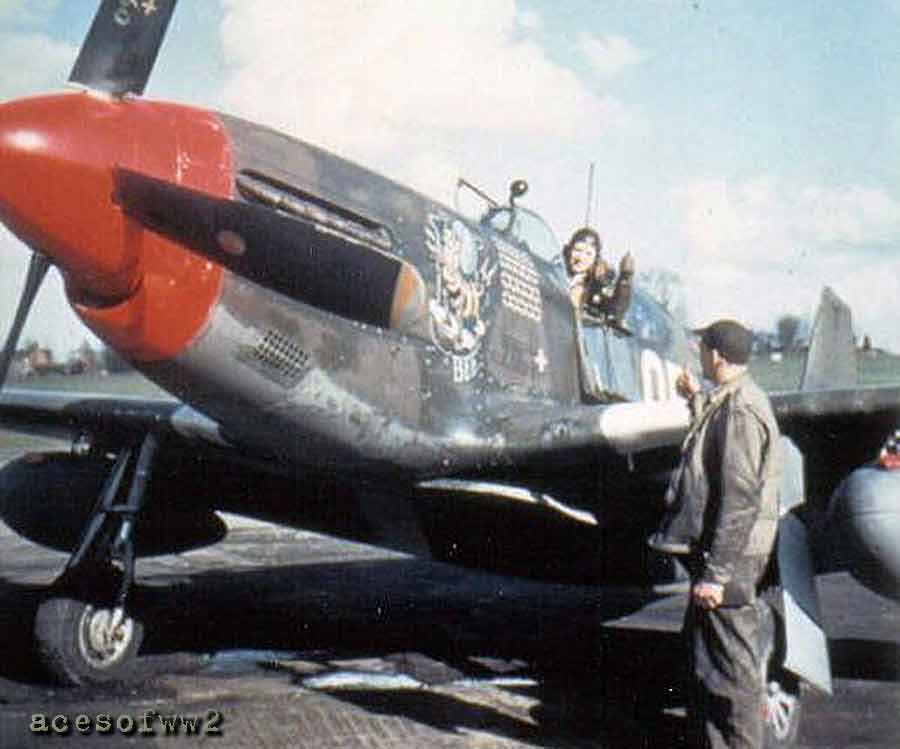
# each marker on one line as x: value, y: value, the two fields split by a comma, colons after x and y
x: 602, y: 272
x: 686, y: 385
x: 708, y: 595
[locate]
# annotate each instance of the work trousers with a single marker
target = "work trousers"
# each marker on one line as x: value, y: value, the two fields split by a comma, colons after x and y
x: 726, y: 708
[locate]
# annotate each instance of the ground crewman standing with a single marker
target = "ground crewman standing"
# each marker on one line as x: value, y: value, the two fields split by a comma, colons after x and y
x: 722, y: 515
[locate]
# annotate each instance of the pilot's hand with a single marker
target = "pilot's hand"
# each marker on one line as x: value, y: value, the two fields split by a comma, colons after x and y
x: 686, y: 385
x: 601, y: 271
x: 626, y: 265
x: 708, y: 595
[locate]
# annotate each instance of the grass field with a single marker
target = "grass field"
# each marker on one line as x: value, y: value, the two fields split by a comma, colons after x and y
x: 128, y: 383
x: 873, y: 369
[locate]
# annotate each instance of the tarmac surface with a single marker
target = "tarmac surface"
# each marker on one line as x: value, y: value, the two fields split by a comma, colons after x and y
x: 278, y: 637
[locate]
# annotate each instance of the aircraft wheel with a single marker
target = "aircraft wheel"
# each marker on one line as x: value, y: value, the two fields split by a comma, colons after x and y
x: 81, y: 644
x: 784, y: 707
x: 783, y: 692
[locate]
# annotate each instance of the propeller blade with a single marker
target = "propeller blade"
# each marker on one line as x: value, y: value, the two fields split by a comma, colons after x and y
x: 37, y: 271
x: 288, y: 255
x: 121, y: 47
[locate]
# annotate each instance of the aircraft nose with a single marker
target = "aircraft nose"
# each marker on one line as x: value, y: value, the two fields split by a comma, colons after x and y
x: 56, y: 186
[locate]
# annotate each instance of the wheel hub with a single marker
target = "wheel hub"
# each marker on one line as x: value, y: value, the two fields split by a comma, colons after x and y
x: 104, y: 635
x: 779, y: 710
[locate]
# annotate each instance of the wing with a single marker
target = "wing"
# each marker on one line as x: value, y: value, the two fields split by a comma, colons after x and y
x: 838, y: 429
x: 117, y: 419
x: 836, y: 423
x: 48, y: 497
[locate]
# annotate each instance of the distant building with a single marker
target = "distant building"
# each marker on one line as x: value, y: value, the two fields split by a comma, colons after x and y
x: 765, y: 343
x: 41, y: 361
x: 20, y: 367
x: 83, y: 361
x: 34, y: 360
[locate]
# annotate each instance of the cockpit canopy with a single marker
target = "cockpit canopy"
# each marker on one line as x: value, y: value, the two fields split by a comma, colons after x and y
x: 512, y: 222
x: 524, y: 227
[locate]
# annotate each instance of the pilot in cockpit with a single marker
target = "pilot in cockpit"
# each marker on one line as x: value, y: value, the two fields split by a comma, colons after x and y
x: 593, y: 285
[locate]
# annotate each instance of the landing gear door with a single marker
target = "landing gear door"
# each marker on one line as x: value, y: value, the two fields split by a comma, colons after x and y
x: 806, y: 646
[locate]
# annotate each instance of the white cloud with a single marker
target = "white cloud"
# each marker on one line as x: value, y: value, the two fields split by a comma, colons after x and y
x: 382, y: 81
x: 33, y: 63
x: 530, y: 20
x: 26, y: 12
x: 738, y: 220
x: 733, y: 222
x: 848, y: 215
x: 609, y: 55
x: 870, y: 291
x: 757, y: 249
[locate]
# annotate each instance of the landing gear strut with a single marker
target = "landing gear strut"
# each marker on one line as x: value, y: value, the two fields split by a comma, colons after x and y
x: 84, y: 634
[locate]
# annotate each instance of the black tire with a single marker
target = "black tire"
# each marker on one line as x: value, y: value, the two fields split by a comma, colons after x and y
x: 77, y: 645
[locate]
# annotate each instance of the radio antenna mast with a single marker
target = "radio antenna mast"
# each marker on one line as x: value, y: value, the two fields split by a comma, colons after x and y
x: 590, y: 196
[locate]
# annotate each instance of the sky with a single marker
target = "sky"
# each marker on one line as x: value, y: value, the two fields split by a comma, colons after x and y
x: 751, y: 146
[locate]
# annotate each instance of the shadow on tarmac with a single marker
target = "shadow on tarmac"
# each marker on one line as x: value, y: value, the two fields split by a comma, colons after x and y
x: 867, y: 660
x: 441, y: 625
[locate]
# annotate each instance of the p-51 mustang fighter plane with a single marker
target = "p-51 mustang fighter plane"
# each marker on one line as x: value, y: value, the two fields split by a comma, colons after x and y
x: 349, y: 356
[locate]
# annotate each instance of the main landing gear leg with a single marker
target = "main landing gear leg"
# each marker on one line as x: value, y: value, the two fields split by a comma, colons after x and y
x: 84, y: 635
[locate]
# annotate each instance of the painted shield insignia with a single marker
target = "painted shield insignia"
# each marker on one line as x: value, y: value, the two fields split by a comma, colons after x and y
x: 463, y: 274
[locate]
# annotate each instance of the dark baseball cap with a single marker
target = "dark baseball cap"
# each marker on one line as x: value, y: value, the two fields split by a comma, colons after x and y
x: 731, y: 339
